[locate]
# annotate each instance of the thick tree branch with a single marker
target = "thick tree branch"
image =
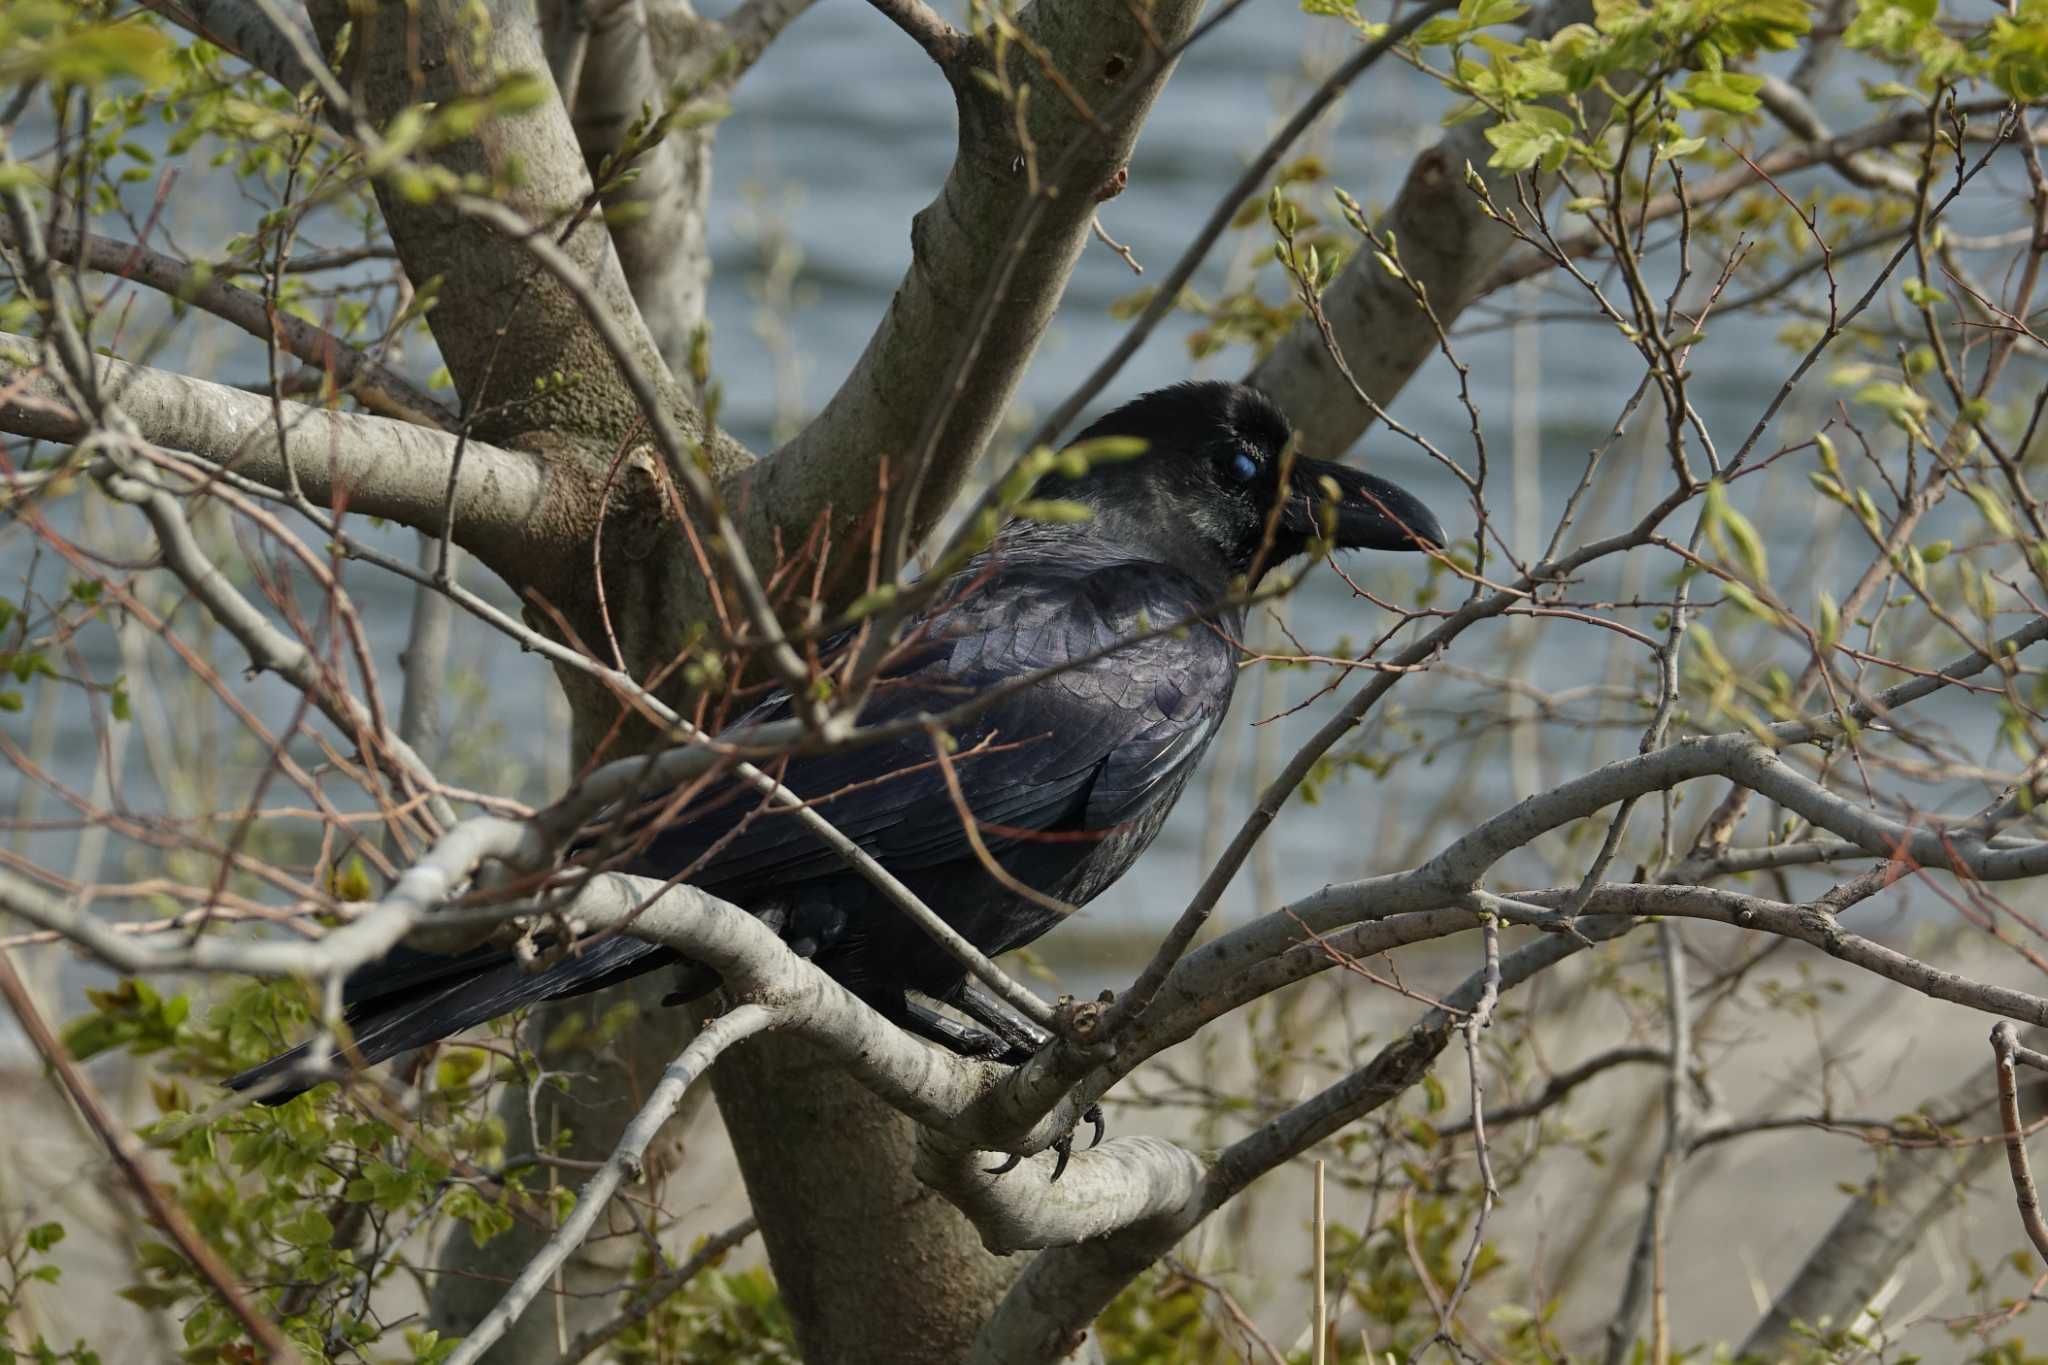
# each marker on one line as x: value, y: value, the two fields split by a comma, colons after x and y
x: 1166, y: 293
x: 524, y: 356
x: 753, y: 25
x: 245, y: 30
x: 430, y: 882
x: 1127, y: 1183
x: 656, y: 218
x: 991, y: 234
x: 941, y: 42
x: 509, y: 507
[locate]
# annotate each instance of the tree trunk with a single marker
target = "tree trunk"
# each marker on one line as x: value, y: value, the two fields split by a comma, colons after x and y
x: 874, y: 1268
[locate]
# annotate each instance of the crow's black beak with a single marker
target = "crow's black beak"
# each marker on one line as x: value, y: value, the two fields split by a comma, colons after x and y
x: 1369, y: 513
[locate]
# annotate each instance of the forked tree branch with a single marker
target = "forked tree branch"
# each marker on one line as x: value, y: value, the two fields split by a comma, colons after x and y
x: 2006, y: 1053
x: 991, y: 259
x: 523, y: 355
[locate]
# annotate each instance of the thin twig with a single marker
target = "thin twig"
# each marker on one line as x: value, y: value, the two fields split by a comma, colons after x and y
x: 2005, y: 1049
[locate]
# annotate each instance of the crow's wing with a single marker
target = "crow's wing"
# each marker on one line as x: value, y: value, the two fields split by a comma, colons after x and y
x: 1081, y: 749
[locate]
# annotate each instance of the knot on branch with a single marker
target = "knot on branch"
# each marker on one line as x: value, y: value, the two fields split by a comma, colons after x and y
x: 1082, y: 1021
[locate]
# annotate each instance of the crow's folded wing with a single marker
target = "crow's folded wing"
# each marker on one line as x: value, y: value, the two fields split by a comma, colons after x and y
x: 1082, y: 748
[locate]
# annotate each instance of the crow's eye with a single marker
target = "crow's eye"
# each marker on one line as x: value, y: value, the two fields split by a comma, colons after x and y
x: 1244, y: 466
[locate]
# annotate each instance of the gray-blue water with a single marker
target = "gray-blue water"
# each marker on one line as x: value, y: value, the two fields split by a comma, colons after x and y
x: 835, y: 140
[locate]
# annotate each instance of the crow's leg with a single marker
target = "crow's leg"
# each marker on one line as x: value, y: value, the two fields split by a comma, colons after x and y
x: 939, y: 1027
x: 1021, y: 1037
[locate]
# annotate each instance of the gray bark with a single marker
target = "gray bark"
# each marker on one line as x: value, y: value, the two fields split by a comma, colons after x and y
x: 874, y: 1268
x: 511, y: 507
x: 516, y: 340
x: 657, y: 220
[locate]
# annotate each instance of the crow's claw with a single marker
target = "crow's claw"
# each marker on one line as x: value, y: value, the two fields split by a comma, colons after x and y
x: 1063, y: 1151
x: 1062, y: 1148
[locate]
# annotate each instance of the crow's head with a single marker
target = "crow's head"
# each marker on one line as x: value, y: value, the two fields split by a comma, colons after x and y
x: 1215, y: 466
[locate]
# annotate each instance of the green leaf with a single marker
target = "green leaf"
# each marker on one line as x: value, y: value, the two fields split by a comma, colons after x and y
x: 309, y: 1229
x: 521, y: 93
x: 1059, y: 511
x: 351, y: 882
x: 1991, y: 507
x: 1524, y: 143
x: 1731, y: 92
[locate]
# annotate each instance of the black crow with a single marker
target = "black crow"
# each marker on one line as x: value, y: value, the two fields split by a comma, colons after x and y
x: 1068, y: 778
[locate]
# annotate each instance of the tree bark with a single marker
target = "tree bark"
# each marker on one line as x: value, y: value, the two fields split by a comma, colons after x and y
x: 515, y: 339
x: 1447, y: 243
x: 874, y: 1268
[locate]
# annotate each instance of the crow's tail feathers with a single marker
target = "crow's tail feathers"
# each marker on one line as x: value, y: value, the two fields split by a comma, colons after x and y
x: 410, y: 999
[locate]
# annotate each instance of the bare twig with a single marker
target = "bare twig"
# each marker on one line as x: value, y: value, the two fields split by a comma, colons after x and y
x: 2005, y: 1050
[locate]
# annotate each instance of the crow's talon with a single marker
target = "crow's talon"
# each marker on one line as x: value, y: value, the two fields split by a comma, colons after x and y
x: 1092, y: 1115
x: 1062, y: 1150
